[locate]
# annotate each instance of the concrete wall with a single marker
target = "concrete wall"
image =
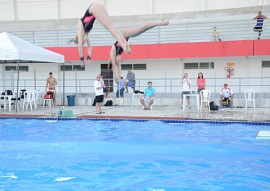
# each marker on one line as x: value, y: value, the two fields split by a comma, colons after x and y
x: 64, y: 9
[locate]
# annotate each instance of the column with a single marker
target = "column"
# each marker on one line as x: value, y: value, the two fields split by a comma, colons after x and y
x: 203, y: 5
x: 14, y: 3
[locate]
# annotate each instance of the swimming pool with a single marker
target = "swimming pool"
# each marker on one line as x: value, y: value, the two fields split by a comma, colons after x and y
x: 128, y: 155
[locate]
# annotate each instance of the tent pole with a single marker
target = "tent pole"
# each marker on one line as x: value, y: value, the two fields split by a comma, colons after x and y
x: 18, y: 79
x: 35, y: 79
x: 64, y: 84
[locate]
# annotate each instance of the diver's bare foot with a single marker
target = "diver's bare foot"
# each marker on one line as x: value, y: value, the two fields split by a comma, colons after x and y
x: 88, y: 62
x: 127, y: 48
x: 163, y: 22
x: 82, y: 63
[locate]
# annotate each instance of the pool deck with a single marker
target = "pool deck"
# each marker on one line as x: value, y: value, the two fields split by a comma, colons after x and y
x: 157, y: 113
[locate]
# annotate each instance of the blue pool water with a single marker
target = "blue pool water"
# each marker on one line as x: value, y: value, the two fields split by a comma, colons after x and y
x: 129, y: 156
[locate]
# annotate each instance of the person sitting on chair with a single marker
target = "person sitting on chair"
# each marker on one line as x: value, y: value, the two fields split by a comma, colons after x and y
x: 50, y: 86
x: 226, y: 97
x: 149, y: 96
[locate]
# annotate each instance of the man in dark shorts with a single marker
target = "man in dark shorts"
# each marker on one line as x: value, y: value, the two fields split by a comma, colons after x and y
x: 98, y: 86
x: 131, y: 81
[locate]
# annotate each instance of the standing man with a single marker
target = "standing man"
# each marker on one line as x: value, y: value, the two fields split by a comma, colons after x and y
x: 50, y: 86
x: 98, y: 86
x: 148, y: 96
x: 131, y: 81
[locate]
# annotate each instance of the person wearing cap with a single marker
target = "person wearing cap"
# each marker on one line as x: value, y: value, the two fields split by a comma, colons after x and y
x: 50, y: 86
x: 226, y: 95
x: 106, y: 90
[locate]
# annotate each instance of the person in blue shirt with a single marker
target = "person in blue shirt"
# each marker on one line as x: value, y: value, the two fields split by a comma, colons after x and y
x: 148, y: 97
x: 120, y: 88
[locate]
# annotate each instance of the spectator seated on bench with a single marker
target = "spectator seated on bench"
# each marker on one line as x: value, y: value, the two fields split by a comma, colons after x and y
x: 149, y: 97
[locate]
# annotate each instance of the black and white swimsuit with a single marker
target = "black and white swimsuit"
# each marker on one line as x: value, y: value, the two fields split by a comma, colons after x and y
x: 119, y: 50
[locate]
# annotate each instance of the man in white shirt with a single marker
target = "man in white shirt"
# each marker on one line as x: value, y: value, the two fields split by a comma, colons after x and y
x: 185, y: 89
x: 226, y: 95
x: 99, y: 85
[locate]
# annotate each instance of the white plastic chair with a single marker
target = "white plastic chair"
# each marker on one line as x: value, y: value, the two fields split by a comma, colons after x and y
x: 37, y: 97
x: 250, y: 97
x: 205, y: 98
x: 17, y: 100
x: 147, y: 103
x: 48, y: 101
x: 135, y: 98
x: 34, y: 98
x: 28, y: 100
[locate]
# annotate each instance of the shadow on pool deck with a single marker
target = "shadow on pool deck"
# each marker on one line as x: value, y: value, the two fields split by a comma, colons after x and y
x: 170, y: 113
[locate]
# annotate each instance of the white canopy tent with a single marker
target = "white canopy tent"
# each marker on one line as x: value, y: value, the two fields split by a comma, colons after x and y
x: 17, y: 50
x: 14, y: 49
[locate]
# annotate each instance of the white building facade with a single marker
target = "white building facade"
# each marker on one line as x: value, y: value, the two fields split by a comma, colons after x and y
x: 190, y: 21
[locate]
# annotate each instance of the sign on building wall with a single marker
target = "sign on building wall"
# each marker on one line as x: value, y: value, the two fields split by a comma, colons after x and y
x: 230, y: 64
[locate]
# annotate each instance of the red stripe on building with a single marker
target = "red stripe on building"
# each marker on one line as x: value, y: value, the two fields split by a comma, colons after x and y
x: 262, y: 48
x: 177, y: 50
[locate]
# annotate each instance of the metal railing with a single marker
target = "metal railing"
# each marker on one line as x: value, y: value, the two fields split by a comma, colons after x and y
x: 162, y: 85
x: 177, y: 31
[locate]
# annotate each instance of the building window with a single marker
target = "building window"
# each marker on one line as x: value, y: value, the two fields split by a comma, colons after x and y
x: 78, y: 68
x: 126, y: 66
x: 66, y: 67
x: 206, y: 65
x: 133, y: 66
x: 14, y: 68
x: 24, y: 68
x: 139, y: 66
x: 72, y: 68
x: 199, y: 65
x: 191, y: 65
x: 265, y: 64
x: 9, y: 68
